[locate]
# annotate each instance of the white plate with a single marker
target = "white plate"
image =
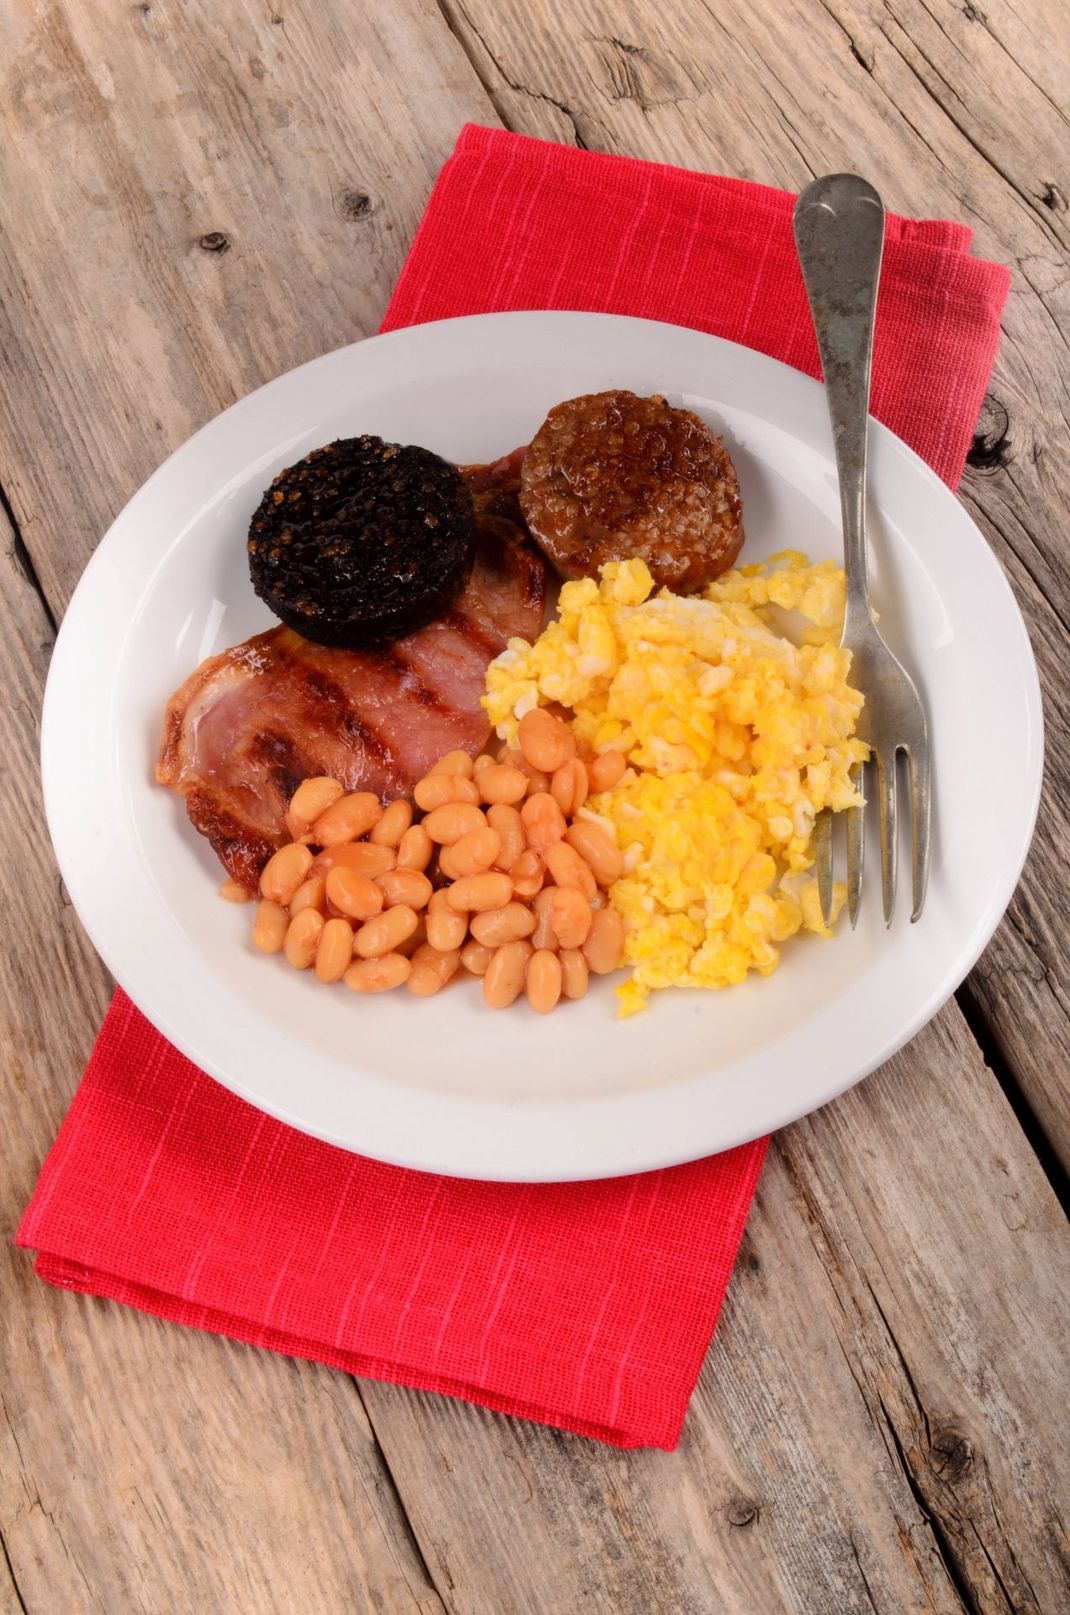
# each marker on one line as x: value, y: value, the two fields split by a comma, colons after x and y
x: 444, y: 1084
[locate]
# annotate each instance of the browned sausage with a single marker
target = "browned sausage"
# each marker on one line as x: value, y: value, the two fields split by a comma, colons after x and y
x: 611, y: 476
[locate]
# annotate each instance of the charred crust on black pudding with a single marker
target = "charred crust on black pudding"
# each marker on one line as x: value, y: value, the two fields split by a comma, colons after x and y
x: 362, y: 542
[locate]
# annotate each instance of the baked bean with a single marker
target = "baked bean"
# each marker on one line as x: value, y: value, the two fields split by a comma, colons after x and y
x: 545, y: 741
x: 362, y: 856
x: 446, y: 929
x: 415, y: 848
x: 484, y: 760
x: 302, y: 938
x: 503, y: 981
x: 393, y: 824
x: 416, y: 940
x: 232, y: 891
x: 334, y: 951
x: 284, y: 872
x: 593, y: 844
x: 543, y: 821
x: 311, y: 798
x: 444, y: 870
x: 431, y: 970
x: 474, y: 853
x: 574, y: 973
x: 473, y: 894
x: 269, y: 927
x: 569, y: 787
x: 351, y: 817
x: 407, y: 886
x: 353, y: 894
x: 606, y: 770
x: 500, y: 783
x: 385, y: 932
x: 543, y: 981
x: 568, y: 869
x: 507, y: 822
x: 296, y: 828
x: 543, y: 934
x: 513, y: 757
x: 312, y: 893
x: 435, y: 790
x: 570, y: 916
x: 377, y: 975
x: 455, y: 762
x: 450, y: 822
x: 604, y: 947
x: 475, y: 957
x: 527, y: 875
x: 404, y: 886
x: 494, y: 926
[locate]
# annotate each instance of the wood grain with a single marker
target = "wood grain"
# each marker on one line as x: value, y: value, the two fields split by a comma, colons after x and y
x: 195, y: 199
x: 246, y: 181
x: 865, y: 1435
x: 144, y: 1467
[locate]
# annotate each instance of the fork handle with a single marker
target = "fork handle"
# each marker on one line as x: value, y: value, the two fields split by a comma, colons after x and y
x: 839, y: 236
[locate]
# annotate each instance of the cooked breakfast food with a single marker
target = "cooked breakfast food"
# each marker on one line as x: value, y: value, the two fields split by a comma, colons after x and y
x: 662, y: 751
x: 362, y: 542
x: 734, y: 738
x: 613, y: 477
x: 248, y: 725
x: 496, y: 873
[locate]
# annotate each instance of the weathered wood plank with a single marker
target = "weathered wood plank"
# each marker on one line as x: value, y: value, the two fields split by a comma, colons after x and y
x: 145, y: 1467
x: 696, y: 89
x: 950, y: 110
x: 141, y: 1466
x: 867, y: 1432
x: 884, y: 1252
x: 246, y: 182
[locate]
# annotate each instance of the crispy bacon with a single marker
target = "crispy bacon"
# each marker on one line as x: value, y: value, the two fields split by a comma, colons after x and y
x: 248, y: 725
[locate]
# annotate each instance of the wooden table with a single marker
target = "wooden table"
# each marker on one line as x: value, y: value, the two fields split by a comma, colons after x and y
x: 194, y: 198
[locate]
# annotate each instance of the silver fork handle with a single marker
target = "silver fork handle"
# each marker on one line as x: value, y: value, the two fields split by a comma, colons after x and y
x: 839, y: 235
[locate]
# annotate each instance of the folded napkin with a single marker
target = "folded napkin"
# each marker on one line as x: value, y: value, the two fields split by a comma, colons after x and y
x: 587, y: 1305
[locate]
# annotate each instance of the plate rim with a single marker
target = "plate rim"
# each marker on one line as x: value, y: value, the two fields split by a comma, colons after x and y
x: 477, y: 1165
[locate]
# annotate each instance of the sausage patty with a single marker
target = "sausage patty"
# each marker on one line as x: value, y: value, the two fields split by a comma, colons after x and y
x: 611, y: 476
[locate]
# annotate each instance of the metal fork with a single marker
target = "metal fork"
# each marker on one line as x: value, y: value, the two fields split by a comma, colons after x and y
x: 839, y: 235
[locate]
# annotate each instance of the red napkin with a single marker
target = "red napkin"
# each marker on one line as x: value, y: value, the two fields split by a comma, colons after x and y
x: 588, y: 1306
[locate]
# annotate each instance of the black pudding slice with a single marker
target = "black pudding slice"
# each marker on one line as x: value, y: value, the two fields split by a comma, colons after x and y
x: 362, y: 541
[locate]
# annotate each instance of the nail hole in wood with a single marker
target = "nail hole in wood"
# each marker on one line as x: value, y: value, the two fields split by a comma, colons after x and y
x: 951, y: 1454
x: 355, y: 204
x: 990, y: 449
x: 742, y: 1512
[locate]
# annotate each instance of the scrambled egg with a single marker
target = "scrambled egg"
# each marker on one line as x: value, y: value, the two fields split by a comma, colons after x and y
x: 736, y: 737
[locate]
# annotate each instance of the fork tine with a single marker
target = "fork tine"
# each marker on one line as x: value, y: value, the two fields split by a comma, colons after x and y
x: 856, y: 847
x: 920, y: 820
x: 889, y: 828
x: 821, y: 843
